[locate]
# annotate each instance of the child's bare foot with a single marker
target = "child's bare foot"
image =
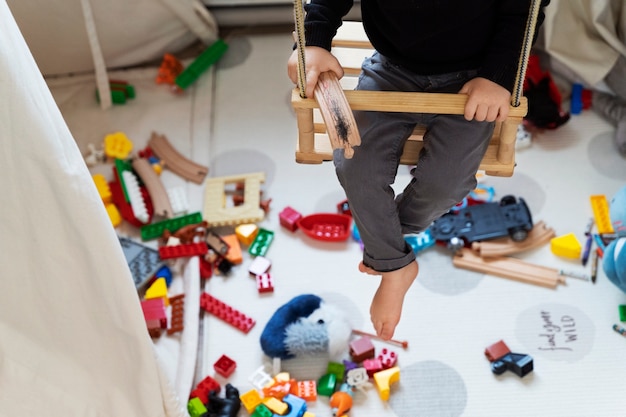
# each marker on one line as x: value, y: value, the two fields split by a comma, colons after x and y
x: 386, y: 306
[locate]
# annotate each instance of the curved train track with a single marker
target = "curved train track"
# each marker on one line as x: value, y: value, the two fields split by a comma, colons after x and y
x: 176, y: 162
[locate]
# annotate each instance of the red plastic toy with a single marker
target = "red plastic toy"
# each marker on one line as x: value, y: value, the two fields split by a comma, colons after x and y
x: 328, y: 227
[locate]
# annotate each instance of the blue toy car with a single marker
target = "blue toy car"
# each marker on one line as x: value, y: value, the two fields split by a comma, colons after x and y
x: 509, y: 217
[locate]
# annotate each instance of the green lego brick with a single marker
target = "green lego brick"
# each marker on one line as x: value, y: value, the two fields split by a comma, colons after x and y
x: 155, y: 230
x: 622, y: 312
x: 196, y: 408
x: 337, y: 369
x: 201, y: 64
x: 261, y: 243
x: 261, y: 410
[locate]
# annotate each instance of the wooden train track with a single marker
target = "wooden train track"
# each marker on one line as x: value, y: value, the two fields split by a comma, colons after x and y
x: 176, y: 162
x: 511, y: 268
x: 158, y: 194
x: 538, y: 236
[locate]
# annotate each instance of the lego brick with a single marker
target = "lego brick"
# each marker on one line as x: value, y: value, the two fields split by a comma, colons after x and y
x: 388, y: 358
x: 225, y: 366
x: 226, y: 313
x: 261, y: 242
x: 155, y: 230
x: 566, y: 246
x: 143, y: 261
x: 185, y: 250
x: 259, y: 265
x: 246, y: 233
x: 288, y: 218
x: 384, y: 379
x: 264, y: 283
x: 250, y: 400
x: 362, y: 349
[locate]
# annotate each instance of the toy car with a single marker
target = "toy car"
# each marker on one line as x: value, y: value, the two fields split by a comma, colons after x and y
x: 509, y: 217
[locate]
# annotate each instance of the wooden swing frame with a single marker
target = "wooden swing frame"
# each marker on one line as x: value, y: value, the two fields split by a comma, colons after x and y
x: 350, y: 44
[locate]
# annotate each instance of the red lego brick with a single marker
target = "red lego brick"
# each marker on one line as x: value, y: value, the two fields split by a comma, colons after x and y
x: 225, y: 366
x: 177, y: 316
x: 206, y: 269
x: 497, y: 351
x: 226, y: 313
x: 204, y: 388
x: 264, y: 283
x: 289, y: 218
x: 181, y: 251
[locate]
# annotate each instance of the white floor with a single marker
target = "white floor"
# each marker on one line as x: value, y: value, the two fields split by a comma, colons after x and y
x: 238, y: 120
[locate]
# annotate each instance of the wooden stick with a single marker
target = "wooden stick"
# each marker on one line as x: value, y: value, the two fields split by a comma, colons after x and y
x: 337, y: 115
x: 402, y: 343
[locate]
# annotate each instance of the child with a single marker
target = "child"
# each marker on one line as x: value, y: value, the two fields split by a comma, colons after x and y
x: 444, y: 46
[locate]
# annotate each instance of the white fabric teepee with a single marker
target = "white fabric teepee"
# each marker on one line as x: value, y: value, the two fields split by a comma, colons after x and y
x: 72, y: 335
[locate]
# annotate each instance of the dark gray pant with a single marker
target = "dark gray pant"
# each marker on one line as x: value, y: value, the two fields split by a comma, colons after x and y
x: 444, y: 175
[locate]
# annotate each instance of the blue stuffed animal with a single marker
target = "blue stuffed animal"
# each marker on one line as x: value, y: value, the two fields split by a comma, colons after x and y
x: 306, y: 326
x: 614, y: 259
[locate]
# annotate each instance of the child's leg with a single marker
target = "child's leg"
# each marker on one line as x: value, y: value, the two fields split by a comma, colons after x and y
x: 445, y: 172
x: 366, y: 179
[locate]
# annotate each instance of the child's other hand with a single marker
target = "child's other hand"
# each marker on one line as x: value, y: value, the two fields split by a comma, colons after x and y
x: 486, y: 101
x: 317, y: 61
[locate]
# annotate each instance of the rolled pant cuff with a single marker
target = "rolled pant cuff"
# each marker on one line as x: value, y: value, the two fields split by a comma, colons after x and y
x: 388, y: 265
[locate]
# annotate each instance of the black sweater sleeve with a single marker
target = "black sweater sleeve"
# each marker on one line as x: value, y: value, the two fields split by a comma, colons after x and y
x: 323, y: 18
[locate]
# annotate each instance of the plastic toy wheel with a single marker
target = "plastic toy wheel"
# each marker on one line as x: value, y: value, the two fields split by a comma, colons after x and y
x: 498, y: 367
x: 508, y: 200
x: 518, y: 234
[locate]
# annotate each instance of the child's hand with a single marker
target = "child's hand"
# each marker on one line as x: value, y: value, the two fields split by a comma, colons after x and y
x: 317, y: 61
x: 487, y: 101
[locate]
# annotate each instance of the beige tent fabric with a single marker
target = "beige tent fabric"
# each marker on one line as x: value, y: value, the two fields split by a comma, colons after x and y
x: 130, y: 32
x: 587, y: 36
x: 72, y: 336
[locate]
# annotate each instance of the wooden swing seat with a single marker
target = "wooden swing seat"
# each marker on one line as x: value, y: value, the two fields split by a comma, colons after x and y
x: 351, y: 46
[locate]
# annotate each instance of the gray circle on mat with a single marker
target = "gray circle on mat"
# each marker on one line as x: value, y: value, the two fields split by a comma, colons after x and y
x: 534, y: 193
x: 239, y: 49
x: 428, y: 389
x: 605, y: 158
x: 244, y: 161
x: 438, y: 275
x: 557, y: 332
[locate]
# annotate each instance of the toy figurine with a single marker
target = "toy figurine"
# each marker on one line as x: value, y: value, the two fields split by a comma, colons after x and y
x: 224, y: 407
x: 614, y: 258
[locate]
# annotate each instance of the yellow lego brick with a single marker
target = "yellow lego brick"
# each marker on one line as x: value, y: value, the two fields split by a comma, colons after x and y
x: 114, y: 214
x: 282, y: 376
x: 600, y: 207
x: 308, y: 414
x: 275, y: 405
x: 566, y: 246
x: 117, y: 145
x: 384, y: 379
x: 103, y: 188
x: 247, y: 233
x: 250, y: 400
x: 158, y: 289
